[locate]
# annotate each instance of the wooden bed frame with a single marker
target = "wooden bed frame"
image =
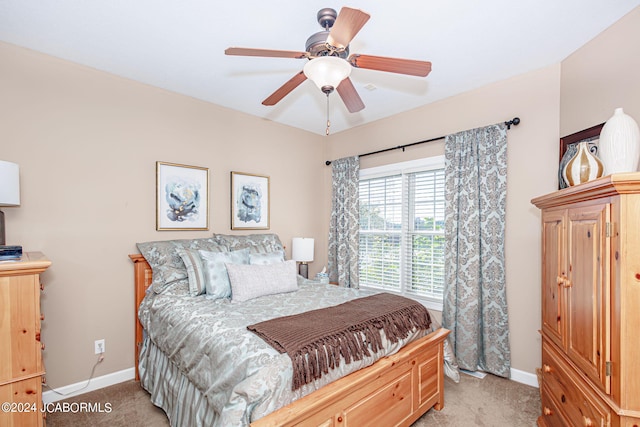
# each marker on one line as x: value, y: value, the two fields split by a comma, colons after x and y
x: 394, y: 391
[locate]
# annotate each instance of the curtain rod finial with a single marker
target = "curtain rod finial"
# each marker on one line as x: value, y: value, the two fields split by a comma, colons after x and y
x: 515, y: 121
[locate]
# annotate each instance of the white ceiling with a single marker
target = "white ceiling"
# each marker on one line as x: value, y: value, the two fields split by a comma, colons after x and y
x: 179, y: 46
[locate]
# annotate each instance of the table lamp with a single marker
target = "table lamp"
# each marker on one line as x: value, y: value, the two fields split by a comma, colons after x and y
x: 302, y: 252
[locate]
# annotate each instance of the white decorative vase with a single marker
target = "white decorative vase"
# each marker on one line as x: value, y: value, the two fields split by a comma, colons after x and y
x: 582, y: 167
x: 619, y: 145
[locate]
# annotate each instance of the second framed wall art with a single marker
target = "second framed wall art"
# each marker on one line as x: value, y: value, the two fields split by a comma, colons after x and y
x: 249, y: 201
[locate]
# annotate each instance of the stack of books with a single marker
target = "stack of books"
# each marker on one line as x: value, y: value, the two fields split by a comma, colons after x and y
x: 10, y: 252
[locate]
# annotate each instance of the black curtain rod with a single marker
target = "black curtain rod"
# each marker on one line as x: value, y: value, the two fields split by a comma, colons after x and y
x: 515, y: 122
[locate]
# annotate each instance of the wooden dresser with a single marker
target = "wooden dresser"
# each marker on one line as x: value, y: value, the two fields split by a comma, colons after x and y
x: 591, y: 303
x: 21, y: 366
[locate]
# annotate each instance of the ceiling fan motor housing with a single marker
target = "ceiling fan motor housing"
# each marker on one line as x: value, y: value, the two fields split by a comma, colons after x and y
x: 316, y: 45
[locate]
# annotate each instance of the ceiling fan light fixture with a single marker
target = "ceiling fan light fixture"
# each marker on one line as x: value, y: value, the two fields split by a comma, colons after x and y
x: 327, y: 71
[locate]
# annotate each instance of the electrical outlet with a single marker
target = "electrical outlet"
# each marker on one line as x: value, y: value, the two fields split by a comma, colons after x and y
x: 99, y: 346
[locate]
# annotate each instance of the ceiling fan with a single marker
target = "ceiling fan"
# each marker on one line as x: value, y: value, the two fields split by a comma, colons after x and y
x: 329, y: 63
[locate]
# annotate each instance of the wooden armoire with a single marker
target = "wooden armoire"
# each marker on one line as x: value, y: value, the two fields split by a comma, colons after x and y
x: 591, y: 303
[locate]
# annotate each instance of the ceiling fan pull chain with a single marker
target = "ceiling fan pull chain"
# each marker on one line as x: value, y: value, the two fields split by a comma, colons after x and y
x: 328, y: 122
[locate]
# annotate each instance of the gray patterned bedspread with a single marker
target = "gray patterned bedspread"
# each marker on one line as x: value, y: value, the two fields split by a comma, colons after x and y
x: 242, y: 377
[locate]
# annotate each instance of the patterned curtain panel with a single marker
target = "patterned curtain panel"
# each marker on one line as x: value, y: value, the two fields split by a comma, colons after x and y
x: 345, y: 222
x: 475, y: 300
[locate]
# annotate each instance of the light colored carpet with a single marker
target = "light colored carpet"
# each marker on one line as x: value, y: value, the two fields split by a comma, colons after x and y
x: 491, y: 401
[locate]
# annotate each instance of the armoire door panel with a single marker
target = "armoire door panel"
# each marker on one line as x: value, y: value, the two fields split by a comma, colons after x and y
x: 586, y: 291
x: 553, y: 275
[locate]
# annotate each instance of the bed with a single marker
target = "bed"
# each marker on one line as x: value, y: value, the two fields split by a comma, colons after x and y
x: 394, y: 390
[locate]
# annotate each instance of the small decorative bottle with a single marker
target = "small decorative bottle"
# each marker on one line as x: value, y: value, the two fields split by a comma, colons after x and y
x: 582, y: 167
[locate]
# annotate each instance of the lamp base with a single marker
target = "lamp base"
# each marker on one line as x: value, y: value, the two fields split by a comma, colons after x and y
x: 303, y: 270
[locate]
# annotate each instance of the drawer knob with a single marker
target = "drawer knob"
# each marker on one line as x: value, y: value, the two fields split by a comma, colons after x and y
x: 339, y: 419
x: 546, y: 368
x: 586, y: 422
x: 42, y: 346
x: 41, y: 286
x: 547, y: 411
x: 41, y: 316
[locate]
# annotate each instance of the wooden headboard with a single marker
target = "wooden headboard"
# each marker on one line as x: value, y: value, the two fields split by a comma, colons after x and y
x: 142, y: 278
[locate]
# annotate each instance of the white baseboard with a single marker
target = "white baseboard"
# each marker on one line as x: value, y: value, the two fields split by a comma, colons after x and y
x: 516, y: 375
x: 82, y: 387
x: 129, y: 374
x: 524, y: 377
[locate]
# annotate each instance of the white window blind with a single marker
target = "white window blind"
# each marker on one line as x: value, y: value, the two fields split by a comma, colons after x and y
x: 402, y: 231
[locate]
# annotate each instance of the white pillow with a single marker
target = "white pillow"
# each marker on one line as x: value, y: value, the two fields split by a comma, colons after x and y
x: 255, y: 280
x: 215, y: 270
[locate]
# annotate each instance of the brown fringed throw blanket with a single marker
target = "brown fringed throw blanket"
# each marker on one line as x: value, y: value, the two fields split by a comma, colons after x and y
x: 315, y: 340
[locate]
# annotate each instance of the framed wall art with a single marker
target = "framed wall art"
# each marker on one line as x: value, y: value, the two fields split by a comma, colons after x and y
x: 182, y: 197
x: 569, y: 147
x: 249, y: 201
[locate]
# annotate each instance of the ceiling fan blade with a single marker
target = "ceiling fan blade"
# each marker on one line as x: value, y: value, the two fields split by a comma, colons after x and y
x: 284, y: 90
x: 392, y: 65
x: 243, y: 51
x: 347, y: 25
x: 350, y: 96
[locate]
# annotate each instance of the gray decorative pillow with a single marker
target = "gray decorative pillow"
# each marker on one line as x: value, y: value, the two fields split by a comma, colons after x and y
x: 195, y: 271
x: 253, y: 281
x: 257, y: 243
x: 166, y: 264
x: 266, y: 258
x: 215, y: 271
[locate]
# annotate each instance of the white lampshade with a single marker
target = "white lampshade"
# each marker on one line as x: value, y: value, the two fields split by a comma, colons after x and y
x: 327, y: 71
x: 9, y: 184
x: 302, y: 249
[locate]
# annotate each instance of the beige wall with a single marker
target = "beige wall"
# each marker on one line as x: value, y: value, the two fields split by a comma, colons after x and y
x: 602, y: 76
x: 87, y: 143
x: 531, y: 171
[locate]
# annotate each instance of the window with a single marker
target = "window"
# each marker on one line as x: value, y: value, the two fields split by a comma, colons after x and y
x: 402, y: 229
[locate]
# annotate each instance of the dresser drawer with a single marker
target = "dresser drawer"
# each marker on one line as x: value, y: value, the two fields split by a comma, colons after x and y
x: 20, y: 351
x: 22, y: 405
x: 580, y: 406
x: 551, y: 415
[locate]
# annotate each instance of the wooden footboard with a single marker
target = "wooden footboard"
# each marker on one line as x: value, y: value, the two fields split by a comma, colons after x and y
x: 394, y: 391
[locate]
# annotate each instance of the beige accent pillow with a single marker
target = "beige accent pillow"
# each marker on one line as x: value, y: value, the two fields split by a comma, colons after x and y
x: 254, y: 280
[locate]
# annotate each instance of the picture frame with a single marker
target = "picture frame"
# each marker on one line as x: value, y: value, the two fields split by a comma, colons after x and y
x: 182, y: 197
x: 250, y: 203
x: 569, y: 147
